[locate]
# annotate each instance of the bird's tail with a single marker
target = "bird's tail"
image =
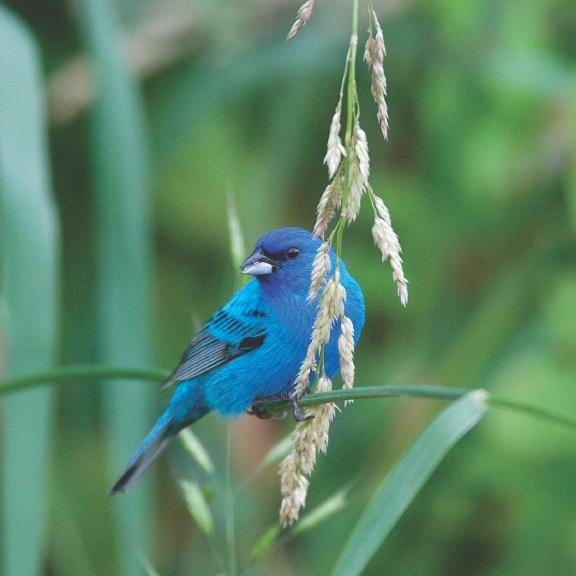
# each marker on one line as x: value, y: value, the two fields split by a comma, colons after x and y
x: 170, y: 423
x: 148, y: 451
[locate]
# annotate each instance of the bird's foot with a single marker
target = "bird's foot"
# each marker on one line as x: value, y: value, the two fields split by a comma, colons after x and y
x: 298, y: 413
x: 263, y: 414
x: 260, y: 410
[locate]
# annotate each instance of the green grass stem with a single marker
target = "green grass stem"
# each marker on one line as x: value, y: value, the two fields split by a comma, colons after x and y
x: 84, y: 373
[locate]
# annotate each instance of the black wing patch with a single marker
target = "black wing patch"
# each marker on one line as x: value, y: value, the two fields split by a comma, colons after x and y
x: 221, y: 340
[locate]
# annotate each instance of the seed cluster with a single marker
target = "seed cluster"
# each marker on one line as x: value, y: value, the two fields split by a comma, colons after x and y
x: 309, y: 437
x: 304, y: 14
x: 348, y: 166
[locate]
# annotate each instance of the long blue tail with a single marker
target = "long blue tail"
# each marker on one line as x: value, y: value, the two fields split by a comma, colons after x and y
x: 184, y: 408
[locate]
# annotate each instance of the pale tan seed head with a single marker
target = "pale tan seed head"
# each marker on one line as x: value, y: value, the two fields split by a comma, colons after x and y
x: 374, y: 56
x: 334, y: 149
x: 323, y: 416
x: 293, y: 487
x: 329, y: 203
x: 387, y: 242
x: 320, y: 269
x: 358, y: 174
x: 330, y: 307
x: 309, y: 437
x: 304, y: 14
x: 346, y: 352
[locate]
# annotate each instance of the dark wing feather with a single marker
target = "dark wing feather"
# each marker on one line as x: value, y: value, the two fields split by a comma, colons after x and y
x: 224, y: 338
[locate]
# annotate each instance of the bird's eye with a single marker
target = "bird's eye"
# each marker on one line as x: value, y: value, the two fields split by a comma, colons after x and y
x: 292, y: 253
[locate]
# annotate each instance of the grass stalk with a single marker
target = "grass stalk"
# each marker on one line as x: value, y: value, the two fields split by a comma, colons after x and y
x: 123, y: 244
x: 29, y: 273
x: 230, y: 506
x: 87, y: 373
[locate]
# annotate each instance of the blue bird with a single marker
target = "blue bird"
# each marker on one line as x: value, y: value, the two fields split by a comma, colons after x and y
x: 253, y: 347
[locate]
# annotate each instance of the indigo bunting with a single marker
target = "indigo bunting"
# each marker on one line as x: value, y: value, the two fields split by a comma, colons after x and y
x: 253, y: 347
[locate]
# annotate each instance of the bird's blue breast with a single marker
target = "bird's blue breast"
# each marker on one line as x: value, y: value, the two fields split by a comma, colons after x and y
x: 272, y: 367
x: 267, y: 370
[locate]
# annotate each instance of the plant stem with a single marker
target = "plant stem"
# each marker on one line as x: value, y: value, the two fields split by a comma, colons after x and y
x: 532, y: 410
x: 230, y: 516
x: 425, y: 391
x: 352, y: 76
x: 83, y: 373
x: 350, y: 100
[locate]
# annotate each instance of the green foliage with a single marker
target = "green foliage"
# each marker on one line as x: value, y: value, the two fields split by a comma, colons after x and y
x: 196, y: 450
x: 29, y: 289
x: 123, y: 252
x: 197, y: 506
x: 406, y: 481
x: 479, y: 175
x: 313, y: 519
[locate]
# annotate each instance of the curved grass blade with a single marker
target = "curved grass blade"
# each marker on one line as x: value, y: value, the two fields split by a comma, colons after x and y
x: 29, y: 275
x: 277, y: 452
x: 197, y: 506
x: 315, y: 517
x: 149, y: 568
x: 237, y: 249
x: 196, y: 450
x: 121, y: 193
x: 407, y: 479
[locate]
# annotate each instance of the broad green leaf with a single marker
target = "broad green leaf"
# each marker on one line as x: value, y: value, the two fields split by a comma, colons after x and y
x: 29, y: 275
x: 121, y: 184
x: 196, y: 450
x: 197, y: 506
x: 407, y: 479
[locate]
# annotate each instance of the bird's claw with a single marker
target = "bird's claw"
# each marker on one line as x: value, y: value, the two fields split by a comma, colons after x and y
x: 262, y: 414
x: 297, y: 412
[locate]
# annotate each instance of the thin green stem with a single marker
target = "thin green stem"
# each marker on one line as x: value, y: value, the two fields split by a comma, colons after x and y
x: 425, y: 391
x: 339, y: 235
x: 532, y: 410
x: 351, y: 101
x: 82, y: 373
x: 230, y: 512
x: 370, y: 10
x: 352, y: 75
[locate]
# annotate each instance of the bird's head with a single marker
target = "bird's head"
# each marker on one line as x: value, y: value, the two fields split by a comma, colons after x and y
x: 283, y: 258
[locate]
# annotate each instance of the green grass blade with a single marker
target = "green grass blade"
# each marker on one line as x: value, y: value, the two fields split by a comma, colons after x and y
x: 30, y: 271
x: 196, y: 450
x: 149, y: 568
x: 82, y: 373
x: 277, y: 452
x: 197, y: 506
x: 321, y: 513
x: 407, y: 479
x: 121, y: 190
x: 265, y: 543
x: 312, y: 519
x: 237, y: 244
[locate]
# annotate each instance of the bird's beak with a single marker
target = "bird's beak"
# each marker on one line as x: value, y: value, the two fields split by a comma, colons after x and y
x: 258, y: 264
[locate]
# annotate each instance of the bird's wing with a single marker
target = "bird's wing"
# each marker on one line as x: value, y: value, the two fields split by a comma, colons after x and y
x: 226, y: 336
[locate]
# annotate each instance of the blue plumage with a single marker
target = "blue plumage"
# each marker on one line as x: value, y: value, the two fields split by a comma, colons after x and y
x: 253, y: 347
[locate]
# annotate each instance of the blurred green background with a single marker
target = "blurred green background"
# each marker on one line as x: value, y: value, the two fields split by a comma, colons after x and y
x: 202, y: 100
